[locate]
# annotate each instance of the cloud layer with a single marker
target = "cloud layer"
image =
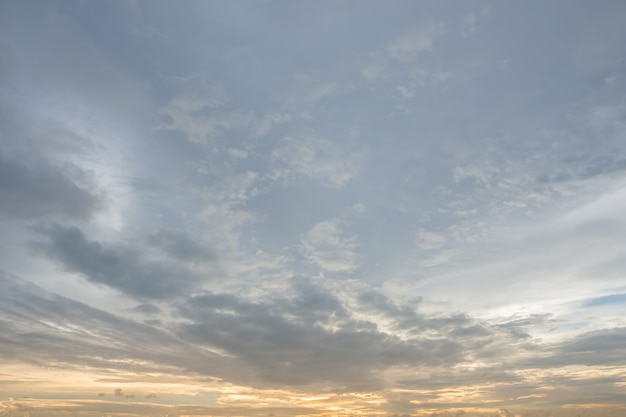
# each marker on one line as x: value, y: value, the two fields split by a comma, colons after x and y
x: 303, y: 209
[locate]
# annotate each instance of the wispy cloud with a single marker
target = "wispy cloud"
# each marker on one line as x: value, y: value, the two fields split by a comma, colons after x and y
x: 328, y: 247
x: 318, y: 159
x: 415, y: 41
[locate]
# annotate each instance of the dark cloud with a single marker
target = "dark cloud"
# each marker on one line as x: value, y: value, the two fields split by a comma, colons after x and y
x: 460, y: 328
x: 120, y: 266
x: 264, y: 343
x: 34, y: 187
x: 78, y: 336
x: 603, y: 347
x: 181, y: 246
x: 311, y: 337
x: 584, y: 167
x: 146, y: 309
x: 39, y: 173
x: 405, y: 317
x: 596, y: 348
x: 306, y: 336
x: 519, y: 328
x: 74, y: 334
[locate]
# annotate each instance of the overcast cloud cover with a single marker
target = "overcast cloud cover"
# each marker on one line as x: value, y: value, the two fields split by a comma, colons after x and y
x: 333, y: 208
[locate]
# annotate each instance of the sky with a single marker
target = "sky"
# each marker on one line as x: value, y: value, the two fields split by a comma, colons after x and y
x: 312, y: 208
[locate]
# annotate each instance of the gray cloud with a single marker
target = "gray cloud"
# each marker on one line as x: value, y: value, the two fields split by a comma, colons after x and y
x: 77, y: 335
x: 32, y: 187
x: 468, y: 333
x: 181, y: 246
x: 520, y: 328
x: 41, y: 172
x: 312, y: 336
x: 486, y: 144
x: 147, y: 309
x: 306, y: 338
x: 121, y: 267
x: 85, y: 408
x: 603, y: 347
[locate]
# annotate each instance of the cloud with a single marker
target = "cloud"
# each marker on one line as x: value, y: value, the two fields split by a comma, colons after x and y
x: 86, y: 408
x: 309, y: 335
x: 263, y: 126
x: 179, y: 245
x: 469, y: 23
x: 286, y: 342
x: 199, y: 122
x: 303, y: 336
x: 147, y: 309
x: 484, y: 138
x: 414, y: 42
x: 318, y: 159
x: 201, y: 111
x: 120, y: 266
x: 430, y: 240
x: 225, y: 211
x: 76, y: 335
x: 602, y: 347
x: 32, y: 187
x: 326, y: 246
x: 204, y: 113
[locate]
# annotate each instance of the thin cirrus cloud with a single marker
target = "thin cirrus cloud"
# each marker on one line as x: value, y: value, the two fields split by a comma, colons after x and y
x: 414, y: 42
x: 326, y: 246
x: 320, y: 160
x: 312, y: 209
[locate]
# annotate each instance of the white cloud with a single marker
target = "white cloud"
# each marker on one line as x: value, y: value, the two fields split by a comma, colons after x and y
x: 263, y: 126
x: 438, y: 259
x: 421, y: 77
x: 318, y: 159
x: 429, y: 240
x: 223, y: 212
x: 411, y: 44
x: 357, y: 210
x: 482, y: 175
x: 326, y: 246
x: 205, y: 114
x: 607, y: 117
x: 469, y: 22
x: 261, y: 264
x: 609, y: 207
x: 542, y: 267
x: 377, y: 70
x: 237, y: 153
x: 200, y: 119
